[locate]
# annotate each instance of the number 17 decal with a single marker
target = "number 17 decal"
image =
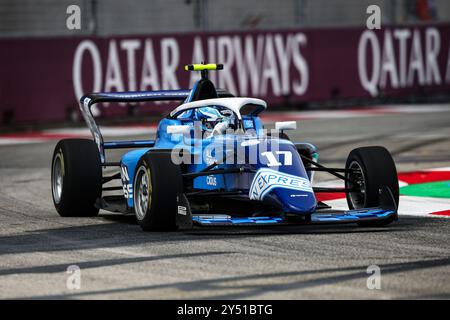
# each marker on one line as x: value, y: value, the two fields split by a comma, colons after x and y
x: 272, y: 159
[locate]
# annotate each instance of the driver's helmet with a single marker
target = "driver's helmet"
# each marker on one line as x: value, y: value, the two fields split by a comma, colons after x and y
x: 210, y: 117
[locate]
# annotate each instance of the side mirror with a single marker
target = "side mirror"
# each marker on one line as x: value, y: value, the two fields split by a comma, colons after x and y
x: 285, y: 125
x: 178, y: 129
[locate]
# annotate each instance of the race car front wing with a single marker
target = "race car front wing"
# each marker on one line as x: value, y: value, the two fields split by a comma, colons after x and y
x: 387, y: 210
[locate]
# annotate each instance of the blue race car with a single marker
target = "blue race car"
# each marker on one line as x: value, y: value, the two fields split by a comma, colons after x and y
x: 213, y: 163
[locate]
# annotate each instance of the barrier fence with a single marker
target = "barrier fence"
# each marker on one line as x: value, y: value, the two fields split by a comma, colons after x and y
x: 43, y: 78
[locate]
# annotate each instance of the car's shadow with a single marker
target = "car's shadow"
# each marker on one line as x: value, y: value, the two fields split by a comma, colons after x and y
x: 268, y: 229
x: 112, y: 231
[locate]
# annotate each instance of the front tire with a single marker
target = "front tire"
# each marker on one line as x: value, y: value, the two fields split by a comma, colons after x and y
x: 76, y: 178
x: 157, y: 184
x: 372, y: 168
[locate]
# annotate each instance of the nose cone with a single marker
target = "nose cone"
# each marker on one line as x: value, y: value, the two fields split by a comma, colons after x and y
x: 295, y: 201
x: 282, y: 180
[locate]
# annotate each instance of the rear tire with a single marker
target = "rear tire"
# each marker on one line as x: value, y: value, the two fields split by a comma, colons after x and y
x: 157, y: 183
x: 76, y: 178
x: 374, y: 168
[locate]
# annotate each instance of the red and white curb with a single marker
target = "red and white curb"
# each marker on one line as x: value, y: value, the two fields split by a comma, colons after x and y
x: 409, y: 205
x: 269, y: 117
x: 353, y: 112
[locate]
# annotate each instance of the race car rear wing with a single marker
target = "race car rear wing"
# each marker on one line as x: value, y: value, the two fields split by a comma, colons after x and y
x: 144, y: 96
x: 87, y: 101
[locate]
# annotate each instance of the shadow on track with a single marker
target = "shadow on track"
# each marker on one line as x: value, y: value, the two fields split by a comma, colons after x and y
x: 250, y: 286
x: 123, y: 231
x: 61, y: 268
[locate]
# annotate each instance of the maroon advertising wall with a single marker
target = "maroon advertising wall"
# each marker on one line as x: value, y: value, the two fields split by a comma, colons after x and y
x: 41, y: 79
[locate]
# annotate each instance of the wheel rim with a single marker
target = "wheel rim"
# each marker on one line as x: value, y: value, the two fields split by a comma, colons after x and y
x: 356, y: 174
x: 57, y: 177
x: 143, y: 192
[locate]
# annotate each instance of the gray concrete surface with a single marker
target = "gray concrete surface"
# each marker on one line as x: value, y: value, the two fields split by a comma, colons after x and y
x: 99, y: 17
x: 118, y: 260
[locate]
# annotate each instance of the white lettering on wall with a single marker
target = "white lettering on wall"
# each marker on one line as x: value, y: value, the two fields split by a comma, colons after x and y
x: 405, y: 59
x: 261, y: 65
x: 86, y: 46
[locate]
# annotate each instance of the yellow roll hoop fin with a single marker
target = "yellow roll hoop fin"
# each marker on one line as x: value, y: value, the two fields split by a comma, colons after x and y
x: 202, y: 67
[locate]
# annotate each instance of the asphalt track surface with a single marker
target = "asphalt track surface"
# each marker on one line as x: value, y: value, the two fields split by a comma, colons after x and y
x: 118, y: 260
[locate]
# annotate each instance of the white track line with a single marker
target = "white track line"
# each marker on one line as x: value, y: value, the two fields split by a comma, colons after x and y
x: 356, y: 113
x: 409, y: 206
x: 124, y: 131
x: 422, y: 206
x: 57, y: 134
x: 119, y: 131
x: 17, y: 141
